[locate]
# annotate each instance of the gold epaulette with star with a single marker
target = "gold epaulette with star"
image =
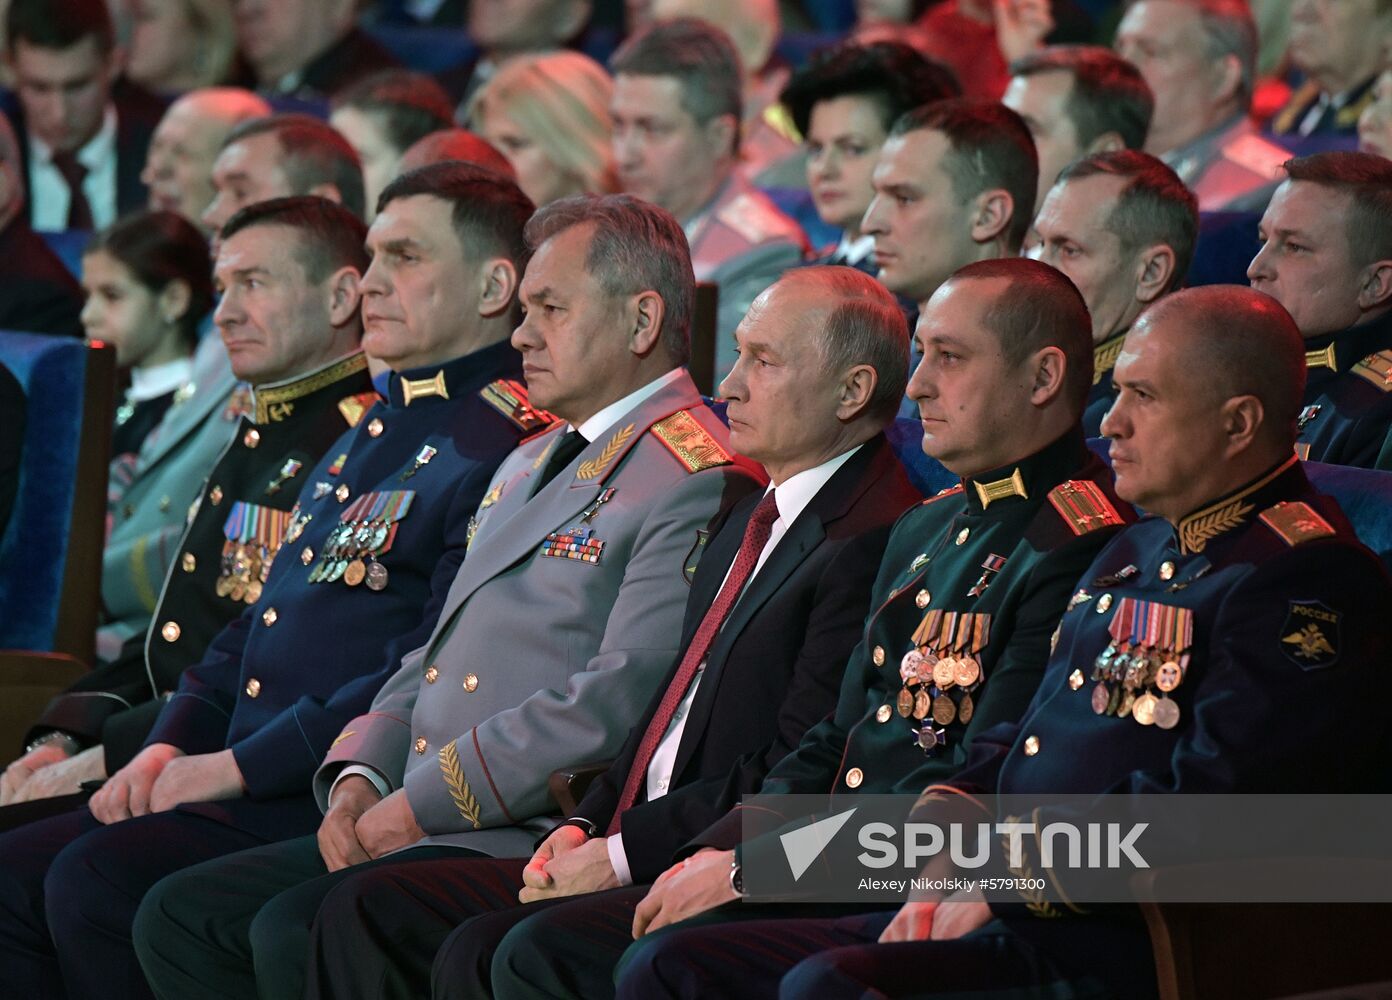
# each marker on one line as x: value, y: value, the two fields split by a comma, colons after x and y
x: 509, y: 397
x: 1083, y: 506
x: 1377, y: 369
x: 1296, y: 522
x: 692, y: 444
x: 946, y: 491
x: 353, y: 407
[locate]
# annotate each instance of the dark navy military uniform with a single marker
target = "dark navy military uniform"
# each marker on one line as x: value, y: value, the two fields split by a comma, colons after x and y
x: 1333, y: 120
x: 277, y: 684
x: 1348, y: 397
x: 255, y: 481
x: 1103, y: 394
x: 1287, y: 612
x: 984, y: 569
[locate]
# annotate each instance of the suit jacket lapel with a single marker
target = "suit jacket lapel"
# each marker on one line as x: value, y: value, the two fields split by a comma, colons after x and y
x: 715, y: 563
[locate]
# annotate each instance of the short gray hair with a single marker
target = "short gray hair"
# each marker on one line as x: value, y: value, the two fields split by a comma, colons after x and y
x: 1230, y: 30
x: 701, y: 58
x: 865, y: 326
x: 635, y: 247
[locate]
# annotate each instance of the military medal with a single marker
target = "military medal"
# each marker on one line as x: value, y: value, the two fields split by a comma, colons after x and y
x: 1101, y: 697
x: 376, y: 576
x: 944, y: 711
x: 929, y: 739
x: 910, y: 665
x: 967, y: 672
x: 904, y: 704
x: 422, y: 460
x: 1166, y: 713
x: 287, y: 471
x: 1144, y: 709
x: 966, y: 708
x: 355, y: 573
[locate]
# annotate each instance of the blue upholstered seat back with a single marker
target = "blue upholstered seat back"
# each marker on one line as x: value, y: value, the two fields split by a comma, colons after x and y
x: 33, y: 550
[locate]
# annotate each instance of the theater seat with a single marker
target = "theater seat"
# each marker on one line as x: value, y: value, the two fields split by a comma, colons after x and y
x: 425, y: 50
x: 927, y: 474
x: 68, y: 245
x: 1226, y: 245
x: 50, y: 555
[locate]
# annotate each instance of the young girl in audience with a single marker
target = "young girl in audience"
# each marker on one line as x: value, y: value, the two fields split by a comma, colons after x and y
x: 148, y: 286
x: 549, y: 115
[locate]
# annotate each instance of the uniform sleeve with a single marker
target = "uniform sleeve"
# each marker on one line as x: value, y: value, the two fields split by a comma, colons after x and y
x: 196, y: 718
x: 498, y: 771
x: 82, y: 710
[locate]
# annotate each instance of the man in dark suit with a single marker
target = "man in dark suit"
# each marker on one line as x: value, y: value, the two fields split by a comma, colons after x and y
x: 84, y: 131
x: 37, y: 293
x: 972, y: 585
x: 306, y: 49
x: 823, y: 365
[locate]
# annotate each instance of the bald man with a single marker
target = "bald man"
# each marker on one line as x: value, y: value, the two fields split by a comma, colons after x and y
x: 1266, y: 601
x: 179, y: 166
x: 37, y: 294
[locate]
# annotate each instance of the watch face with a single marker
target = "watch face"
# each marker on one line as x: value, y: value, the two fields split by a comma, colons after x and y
x: 737, y: 878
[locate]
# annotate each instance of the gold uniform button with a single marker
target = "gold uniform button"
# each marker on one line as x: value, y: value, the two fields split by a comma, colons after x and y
x: 1104, y: 603
x: 471, y: 683
x: 374, y: 427
x: 854, y: 777
x: 878, y: 655
x: 170, y: 631
x: 189, y: 562
x: 215, y: 495
x: 342, y: 493
x: 963, y: 535
x: 253, y: 688
x: 269, y: 618
x: 251, y: 438
x: 431, y: 675
x: 420, y: 744
x: 307, y: 556
x: 1166, y: 570
x: 922, y: 598
x: 1031, y: 745
x: 883, y: 713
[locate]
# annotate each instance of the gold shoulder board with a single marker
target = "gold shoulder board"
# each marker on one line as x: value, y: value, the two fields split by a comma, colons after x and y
x: 353, y: 407
x: 1296, y: 522
x: 691, y: 443
x: 1377, y: 369
x: 1083, y: 506
x: 949, y: 491
x: 509, y: 398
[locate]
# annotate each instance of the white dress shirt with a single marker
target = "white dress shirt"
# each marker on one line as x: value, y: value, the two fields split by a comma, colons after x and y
x: 48, y: 191
x: 851, y: 252
x: 792, y: 498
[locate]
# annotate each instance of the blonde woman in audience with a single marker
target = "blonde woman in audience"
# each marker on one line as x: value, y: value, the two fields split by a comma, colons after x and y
x: 1375, y: 123
x: 179, y: 45
x: 549, y: 115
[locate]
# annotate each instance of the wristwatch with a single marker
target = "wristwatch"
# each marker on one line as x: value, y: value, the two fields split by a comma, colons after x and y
x: 53, y: 737
x: 737, y: 877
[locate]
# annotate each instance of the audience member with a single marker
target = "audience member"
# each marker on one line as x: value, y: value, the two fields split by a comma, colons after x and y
x: 148, y: 289
x: 83, y: 134
x: 1199, y: 58
x: 979, y: 39
x: 1375, y: 123
x: 1238, y: 544
x: 608, y: 296
x: 676, y: 139
x: 12, y: 421
x: 456, y: 144
x: 307, y: 49
x: 1327, y: 257
x: 549, y: 115
x: 505, y: 29
x: 180, y: 45
x: 253, y: 718
x: 1122, y: 227
x: 179, y: 165
x: 845, y: 102
x: 1006, y: 369
x: 1339, y: 47
x: 1078, y: 100
x: 381, y: 116
x: 37, y: 293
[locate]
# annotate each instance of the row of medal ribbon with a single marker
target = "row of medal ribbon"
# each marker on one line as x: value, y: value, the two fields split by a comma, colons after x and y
x: 366, y: 530
x: 253, y: 534
x: 1149, y: 648
x: 941, y: 662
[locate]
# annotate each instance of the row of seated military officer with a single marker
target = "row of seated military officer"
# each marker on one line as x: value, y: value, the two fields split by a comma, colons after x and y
x: 389, y: 619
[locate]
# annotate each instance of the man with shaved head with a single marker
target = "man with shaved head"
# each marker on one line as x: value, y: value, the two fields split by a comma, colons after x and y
x: 37, y: 293
x: 179, y: 166
x: 1260, y: 598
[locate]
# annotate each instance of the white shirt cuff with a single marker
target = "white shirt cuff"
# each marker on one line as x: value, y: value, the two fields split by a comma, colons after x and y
x: 378, y: 782
x: 619, y: 859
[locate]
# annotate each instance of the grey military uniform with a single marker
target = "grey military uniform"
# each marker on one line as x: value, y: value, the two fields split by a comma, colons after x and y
x: 1232, y: 168
x: 564, y: 617
x: 149, y: 500
x: 742, y: 242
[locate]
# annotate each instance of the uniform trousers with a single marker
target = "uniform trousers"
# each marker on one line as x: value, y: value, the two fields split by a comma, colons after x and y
x: 239, y: 927
x: 69, y: 888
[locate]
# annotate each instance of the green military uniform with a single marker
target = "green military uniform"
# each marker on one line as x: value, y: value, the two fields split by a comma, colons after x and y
x: 233, y: 532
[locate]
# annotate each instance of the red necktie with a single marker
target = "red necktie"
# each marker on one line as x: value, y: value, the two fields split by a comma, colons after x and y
x: 74, y: 173
x: 756, y: 536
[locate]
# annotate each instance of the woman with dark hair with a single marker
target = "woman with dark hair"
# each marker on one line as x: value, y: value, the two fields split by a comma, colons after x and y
x: 844, y: 103
x: 148, y: 287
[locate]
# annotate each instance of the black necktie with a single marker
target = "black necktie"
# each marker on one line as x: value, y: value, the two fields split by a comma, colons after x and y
x: 74, y: 173
x: 571, y: 444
